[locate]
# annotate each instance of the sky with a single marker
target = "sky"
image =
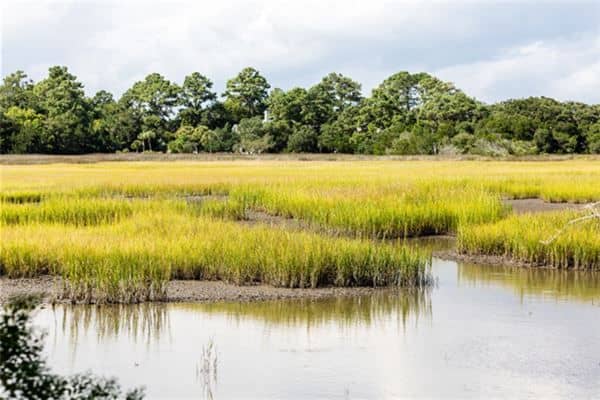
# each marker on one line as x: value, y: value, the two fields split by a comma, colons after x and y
x: 493, y: 50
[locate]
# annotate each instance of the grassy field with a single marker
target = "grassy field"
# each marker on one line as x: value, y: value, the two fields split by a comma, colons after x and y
x: 119, y: 230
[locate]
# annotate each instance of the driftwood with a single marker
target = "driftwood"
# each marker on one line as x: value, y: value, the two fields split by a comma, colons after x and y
x: 592, y: 212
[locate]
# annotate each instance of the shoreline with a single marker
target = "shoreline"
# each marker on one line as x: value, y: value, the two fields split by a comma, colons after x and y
x: 202, y: 291
x: 488, y: 260
x: 191, y: 291
x: 31, y: 159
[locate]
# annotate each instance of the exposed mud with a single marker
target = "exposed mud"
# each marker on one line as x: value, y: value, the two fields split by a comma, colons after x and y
x: 481, y: 259
x: 191, y: 291
x: 535, y: 206
x: 256, y: 217
x: 442, y: 247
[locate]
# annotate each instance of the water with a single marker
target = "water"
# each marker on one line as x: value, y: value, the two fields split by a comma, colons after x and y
x: 482, y: 332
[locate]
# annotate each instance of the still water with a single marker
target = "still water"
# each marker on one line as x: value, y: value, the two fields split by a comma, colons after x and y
x: 482, y: 332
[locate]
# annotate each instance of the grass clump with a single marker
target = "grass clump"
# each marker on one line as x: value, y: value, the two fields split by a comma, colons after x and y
x: 132, y: 260
x: 120, y: 231
x: 21, y: 197
x: 418, y: 210
x: 524, y: 239
x: 65, y: 210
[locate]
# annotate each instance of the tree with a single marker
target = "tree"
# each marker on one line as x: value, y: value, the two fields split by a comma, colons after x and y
x: 254, y: 137
x: 246, y: 94
x: 16, y: 91
x: 147, y: 137
x: 336, y: 135
x: 302, y: 140
x: 154, y: 100
x: 27, y: 130
x: 105, y: 125
x: 189, y: 139
x: 287, y: 106
x: 226, y: 138
x: 67, y: 120
x: 196, y: 93
x: 209, y: 139
x: 552, y: 125
x: 406, y: 113
x: 24, y: 374
x: 405, y: 143
x: 396, y: 97
x: 544, y: 140
x: 7, y: 130
x: 593, y: 138
x: 329, y: 97
x: 16, y: 96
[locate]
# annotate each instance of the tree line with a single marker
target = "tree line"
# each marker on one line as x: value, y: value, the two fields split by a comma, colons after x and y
x: 406, y: 114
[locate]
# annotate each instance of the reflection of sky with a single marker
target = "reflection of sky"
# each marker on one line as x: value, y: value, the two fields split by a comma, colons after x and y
x: 479, y: 341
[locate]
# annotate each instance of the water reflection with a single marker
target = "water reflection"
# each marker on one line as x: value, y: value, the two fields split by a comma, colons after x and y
x: 139, y: 322
x: 344, y: 312
x: 563, y: 285
x: 148, y: 322
x: 483, y: 341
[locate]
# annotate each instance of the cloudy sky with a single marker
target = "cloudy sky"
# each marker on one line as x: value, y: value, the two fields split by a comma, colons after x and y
x: 491, y: 49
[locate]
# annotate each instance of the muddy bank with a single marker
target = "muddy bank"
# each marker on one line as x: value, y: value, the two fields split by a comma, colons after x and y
x: 534, y: 206
x: 192, y: 291
x: 481, y: 259
x: 165, y: 157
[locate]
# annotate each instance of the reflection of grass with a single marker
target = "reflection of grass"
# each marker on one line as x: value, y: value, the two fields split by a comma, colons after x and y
x: 344, y: 311
x: 558, y: 284
x: 149, y: 321
x: 146, y: 321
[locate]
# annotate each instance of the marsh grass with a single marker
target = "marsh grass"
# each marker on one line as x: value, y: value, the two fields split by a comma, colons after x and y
x: 524, y: 239
x: 132, y: 260
x: 119, y: 231
x: 418, y: 210
x: 20, y: 197
x: 65, y: 210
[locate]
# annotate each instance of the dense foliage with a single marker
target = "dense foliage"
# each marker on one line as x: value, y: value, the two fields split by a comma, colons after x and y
x: 406, y: 114
x: 24, y: 373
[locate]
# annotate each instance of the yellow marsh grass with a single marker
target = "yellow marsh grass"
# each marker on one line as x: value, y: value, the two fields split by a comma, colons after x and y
x: 132, y: 259
x: 88, y: 223
x: 572, y: 180
x: 65, y: 210
x: 521, y: 238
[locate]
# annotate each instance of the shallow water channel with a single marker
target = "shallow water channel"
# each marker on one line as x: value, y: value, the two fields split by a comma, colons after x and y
x: 481, y: 332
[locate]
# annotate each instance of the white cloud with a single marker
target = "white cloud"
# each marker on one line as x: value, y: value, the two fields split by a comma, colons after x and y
x: 110, y: 44
x: 563, y: 69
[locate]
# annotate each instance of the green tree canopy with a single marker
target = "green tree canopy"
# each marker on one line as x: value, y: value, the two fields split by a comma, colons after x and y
x: 196, y: 93
x: 246, y: 94
x: 61, y: 99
